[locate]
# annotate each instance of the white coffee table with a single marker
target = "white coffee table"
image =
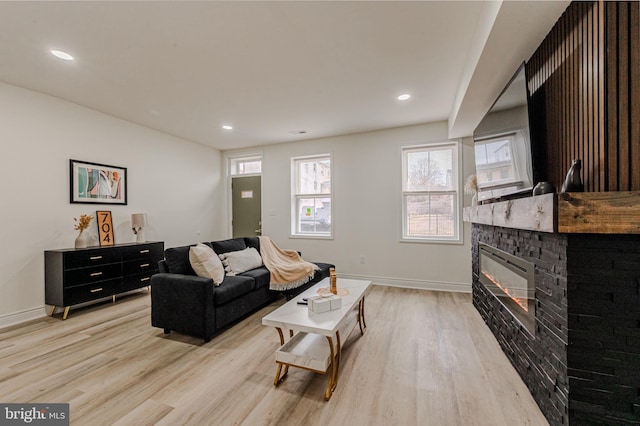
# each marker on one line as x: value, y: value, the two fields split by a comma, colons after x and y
x: 315, y: 339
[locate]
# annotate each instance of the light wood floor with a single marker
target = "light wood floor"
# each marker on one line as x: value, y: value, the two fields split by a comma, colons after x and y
x: 426, y: 359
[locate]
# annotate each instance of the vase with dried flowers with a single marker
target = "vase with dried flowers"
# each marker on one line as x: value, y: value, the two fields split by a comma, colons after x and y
x: 81, y: 225
x: 471, y: 188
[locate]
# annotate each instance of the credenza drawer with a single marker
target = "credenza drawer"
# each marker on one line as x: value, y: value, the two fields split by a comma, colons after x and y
x: 132, y: 282
x: 139, y: 251
x: 92, y: 274
x: 85, y: 293
x: 83, y: 258
x: 140, y: 265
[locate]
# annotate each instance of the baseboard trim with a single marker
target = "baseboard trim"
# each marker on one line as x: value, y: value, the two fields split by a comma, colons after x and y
x: 413, y: 283
x: 22, y: 316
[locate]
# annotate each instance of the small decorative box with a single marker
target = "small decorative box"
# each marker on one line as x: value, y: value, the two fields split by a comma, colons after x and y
x: 320, y: 304
x: 336, y: 302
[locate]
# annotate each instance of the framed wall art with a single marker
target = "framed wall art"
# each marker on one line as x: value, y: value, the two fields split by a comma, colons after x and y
x: 97, y: 183
x: 105, y: 227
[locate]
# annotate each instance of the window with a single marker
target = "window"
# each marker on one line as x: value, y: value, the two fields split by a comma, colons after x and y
x: 246, y: 165
x: 311, y: 202
x: 430, y: 195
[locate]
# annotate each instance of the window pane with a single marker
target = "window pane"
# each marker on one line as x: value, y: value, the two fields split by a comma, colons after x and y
x: 430, y: 170
x: 314, y: 176
x: 314, y: 215
x: 430, y: 215
x: 494, y: 162
x: 245, y: 165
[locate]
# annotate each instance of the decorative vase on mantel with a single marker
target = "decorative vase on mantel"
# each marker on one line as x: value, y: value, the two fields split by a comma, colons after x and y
x: 81, y: 240
x: 573, y: 183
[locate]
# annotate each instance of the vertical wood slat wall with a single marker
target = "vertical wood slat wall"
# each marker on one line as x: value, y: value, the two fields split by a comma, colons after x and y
x: 584, y: 82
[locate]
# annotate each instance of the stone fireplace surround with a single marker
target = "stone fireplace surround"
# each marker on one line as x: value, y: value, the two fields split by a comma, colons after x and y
x: 541, y: 361
x: 583, y: 365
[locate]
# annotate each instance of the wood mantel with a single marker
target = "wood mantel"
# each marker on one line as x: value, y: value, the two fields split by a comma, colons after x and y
x: 599, y: 212
x: 531, y: 213
x: 575, y: 212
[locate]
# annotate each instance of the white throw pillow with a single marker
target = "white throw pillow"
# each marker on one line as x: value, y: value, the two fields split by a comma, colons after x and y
x: 206, y: 263
x: 237, y: 262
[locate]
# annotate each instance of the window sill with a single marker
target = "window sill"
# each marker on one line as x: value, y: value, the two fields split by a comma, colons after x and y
x: 311, y: 237
x: 430, y: 241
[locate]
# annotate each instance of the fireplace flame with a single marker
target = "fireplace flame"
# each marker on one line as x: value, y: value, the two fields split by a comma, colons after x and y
x: 522, y: 302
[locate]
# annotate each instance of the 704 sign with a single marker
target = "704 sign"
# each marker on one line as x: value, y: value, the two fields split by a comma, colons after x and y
x: 105, y: 228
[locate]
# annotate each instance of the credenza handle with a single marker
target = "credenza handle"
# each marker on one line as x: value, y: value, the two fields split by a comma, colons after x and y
x: 95, y: 257
x: 96, y: 274
x: 95, y: 290
x: 145, y: 279
x: 144, y: 251
x: 144, y: 265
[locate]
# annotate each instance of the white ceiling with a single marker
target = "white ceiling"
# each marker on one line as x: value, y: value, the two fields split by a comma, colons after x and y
x: 271, y: 68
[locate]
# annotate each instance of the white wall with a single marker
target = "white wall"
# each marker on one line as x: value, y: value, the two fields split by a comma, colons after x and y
x: 179, y: 184
x: 366, y: 169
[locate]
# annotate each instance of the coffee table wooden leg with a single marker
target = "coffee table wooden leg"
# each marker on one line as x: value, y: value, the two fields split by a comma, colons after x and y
x: 364, y: 322
x: 332, y: 367
x: 279, y: 378
x: 361, y: 322
x: 337, y: 360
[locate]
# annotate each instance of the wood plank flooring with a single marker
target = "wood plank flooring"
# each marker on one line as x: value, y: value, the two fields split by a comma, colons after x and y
x: 426, y: 359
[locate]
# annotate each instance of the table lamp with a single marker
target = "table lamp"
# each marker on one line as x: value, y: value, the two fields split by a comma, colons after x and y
x: 138, y: 223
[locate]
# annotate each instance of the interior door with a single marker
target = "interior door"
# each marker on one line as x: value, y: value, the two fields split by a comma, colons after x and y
x: 246, y: 206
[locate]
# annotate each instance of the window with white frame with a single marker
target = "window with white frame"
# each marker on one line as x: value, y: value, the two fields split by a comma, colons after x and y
x: 430, y: 192
x: 311, y: 188
x: 245, y: 165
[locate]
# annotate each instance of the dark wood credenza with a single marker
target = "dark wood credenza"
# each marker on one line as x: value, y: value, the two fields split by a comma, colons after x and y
x: 74, y: 276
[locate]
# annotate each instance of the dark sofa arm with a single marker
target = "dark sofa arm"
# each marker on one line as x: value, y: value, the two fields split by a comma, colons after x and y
x: 183, y: 303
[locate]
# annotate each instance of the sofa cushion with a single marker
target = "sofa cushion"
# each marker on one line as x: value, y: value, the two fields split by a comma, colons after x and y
x: 233, y: 287
x: 261, y: 275
x: 178, y: 260
x: 253, y: 242
x: 237, y: 262
x: 226, y: 246
x: 206, y: 263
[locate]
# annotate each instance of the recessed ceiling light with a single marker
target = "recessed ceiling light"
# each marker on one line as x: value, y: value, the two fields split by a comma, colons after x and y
x: 404, y: 97
x: 62, y: 55
x: 227, y: 127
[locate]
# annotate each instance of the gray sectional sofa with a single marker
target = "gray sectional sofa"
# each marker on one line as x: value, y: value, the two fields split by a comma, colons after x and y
x: 183, y: 302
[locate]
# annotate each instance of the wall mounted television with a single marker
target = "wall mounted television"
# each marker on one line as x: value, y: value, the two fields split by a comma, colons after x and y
x: 502, y: 145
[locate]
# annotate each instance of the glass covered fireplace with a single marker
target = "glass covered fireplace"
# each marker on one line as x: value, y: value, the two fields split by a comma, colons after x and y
x: 511, y: 280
